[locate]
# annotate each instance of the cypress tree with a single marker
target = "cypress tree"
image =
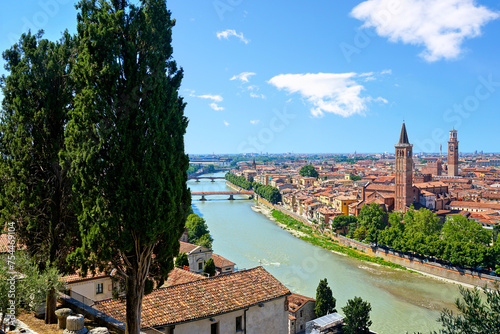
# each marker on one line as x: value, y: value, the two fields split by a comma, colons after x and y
x: 36, y: 194
x: 126, y: 143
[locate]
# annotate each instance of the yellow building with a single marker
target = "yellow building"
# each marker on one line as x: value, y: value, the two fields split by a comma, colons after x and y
x: 341, y: 203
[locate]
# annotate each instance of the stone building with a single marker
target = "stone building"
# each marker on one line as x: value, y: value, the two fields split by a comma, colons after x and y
x: 249, y: 301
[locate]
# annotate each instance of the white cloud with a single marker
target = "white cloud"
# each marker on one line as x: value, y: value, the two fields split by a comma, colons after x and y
x: 231, y: 32
x: 255, y: 121
x: 257, y: 96
x: 226, y: 123
x: 215, y: 98
x: 243, y: 76
x: 214, y: 106
x: 388, y: 71
x: 439, y: 25
x: 336, y: 93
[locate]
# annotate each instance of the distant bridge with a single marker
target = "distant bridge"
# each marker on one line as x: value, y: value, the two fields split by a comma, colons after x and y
x: 230, y: 193
x: 212, y: 178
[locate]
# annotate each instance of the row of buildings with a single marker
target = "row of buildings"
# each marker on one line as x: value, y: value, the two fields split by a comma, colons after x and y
x: 394, y: 182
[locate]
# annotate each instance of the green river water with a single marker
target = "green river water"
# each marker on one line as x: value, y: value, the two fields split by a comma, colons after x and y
x: 401, y: 301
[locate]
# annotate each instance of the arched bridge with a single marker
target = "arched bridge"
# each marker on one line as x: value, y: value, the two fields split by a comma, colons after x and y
x: 230, y: 193
x: 212, y: 178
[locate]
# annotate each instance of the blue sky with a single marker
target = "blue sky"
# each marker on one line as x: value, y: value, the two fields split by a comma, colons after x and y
x: 322, y: 76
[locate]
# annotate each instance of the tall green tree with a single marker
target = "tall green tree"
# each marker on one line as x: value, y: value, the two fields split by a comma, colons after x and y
x: 198, y: 232
x: 209, y: 267
x: 308, y: 170
x: 126, y: 144
x: 373, y: 218
x: 357, y: 316
x: 325, y: 302
x: 36, y: 191
x: 181, y: 260
x: 458, y: 228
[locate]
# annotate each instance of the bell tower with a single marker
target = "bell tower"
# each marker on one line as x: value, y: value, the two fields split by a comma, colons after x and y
x: 453, y: 154
x: 404, y: 172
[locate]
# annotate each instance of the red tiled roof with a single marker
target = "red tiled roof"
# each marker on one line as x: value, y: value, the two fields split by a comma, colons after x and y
x: 76, y: 277
x: 464, y: 204
x: 221, y: 262
x: 180, y: 276
x: 201, y: 299
x: 296, y: 301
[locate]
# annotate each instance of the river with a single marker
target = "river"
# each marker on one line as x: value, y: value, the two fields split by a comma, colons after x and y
x: 401, y: 301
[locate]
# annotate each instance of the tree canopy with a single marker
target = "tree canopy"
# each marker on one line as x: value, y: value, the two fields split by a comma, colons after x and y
x: 36, y: 191
x: 357, y: 316
x: 209, y: 267
x: 325, y: 302
x: 309, y: 170
x: 198, y: 232
x: 125, y: 140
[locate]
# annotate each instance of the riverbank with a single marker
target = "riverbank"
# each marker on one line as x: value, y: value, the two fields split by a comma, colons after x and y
x: 306, y: 233
x: 334, y: 246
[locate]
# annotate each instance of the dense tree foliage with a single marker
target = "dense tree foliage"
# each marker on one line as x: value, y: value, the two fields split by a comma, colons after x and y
x: 325, y: 302
x: 239, y: 181
x: 373, y: 219
x: 27, y: 288
x: 354, y: 177
x: 36, y: 191
x: 459, y: 240
x: 270, y: 193
x: 193, y: 169
x: 343, y: 222
x: 181, y: 260
x: 309, y: 171
x: 357, y: 316
x: 479, y: 313
x: 125, y: 140
x: 198, y: 232
x: 209, y: 267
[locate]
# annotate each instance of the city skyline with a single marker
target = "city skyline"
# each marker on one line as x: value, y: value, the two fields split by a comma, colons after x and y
x: 323, y: 77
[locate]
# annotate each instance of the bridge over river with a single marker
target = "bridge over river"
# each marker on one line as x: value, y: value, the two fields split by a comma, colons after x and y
x: 230, y: 193
x: 212, y: 178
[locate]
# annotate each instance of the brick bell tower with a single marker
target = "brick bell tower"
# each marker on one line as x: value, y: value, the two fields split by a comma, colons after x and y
x: 404, y: 172
x: 453, y: 154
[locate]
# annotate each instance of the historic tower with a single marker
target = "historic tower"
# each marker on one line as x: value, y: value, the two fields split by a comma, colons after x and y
x: 453, y: 154
x: 404, y: 172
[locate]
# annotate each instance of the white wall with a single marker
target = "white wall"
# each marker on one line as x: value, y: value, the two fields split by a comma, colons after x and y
x: 88, y: 288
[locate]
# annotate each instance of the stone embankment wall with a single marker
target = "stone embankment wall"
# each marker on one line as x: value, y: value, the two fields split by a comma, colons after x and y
x: 429, y: 267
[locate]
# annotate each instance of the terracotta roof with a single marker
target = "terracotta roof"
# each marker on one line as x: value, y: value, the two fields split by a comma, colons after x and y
x: 220, y: 261
x: 296, y: 301
x: 381, y: 187
x: 77, y: 277
x: 463, y: 204
x: 186, y: 247
x: 181, y: 276
x: 201, y: 299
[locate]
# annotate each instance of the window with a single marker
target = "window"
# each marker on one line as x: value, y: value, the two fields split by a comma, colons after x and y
x: 200, y: 265
x: 301, y: 313
x: 214, y: 328
x: 99, y: 288
x: 239, y: 326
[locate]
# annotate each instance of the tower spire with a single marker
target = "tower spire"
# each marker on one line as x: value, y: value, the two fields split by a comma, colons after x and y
x: 403, y: 138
